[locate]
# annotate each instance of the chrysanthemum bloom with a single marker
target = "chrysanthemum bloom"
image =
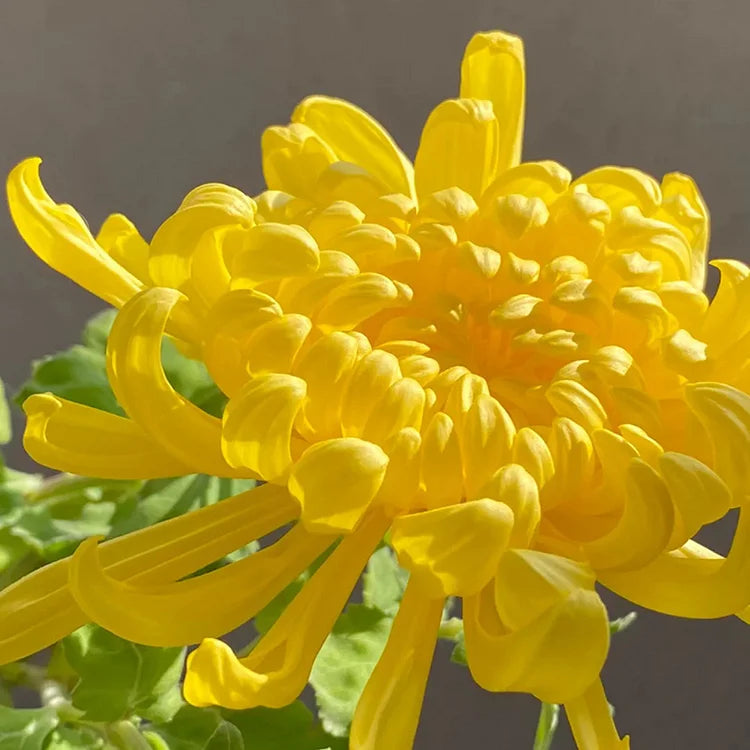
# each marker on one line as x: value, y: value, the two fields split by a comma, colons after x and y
x: 516, y: 377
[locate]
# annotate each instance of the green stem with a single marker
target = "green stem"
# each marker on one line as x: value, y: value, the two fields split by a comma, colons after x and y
x: 124, y: 736
x: 549, y: 715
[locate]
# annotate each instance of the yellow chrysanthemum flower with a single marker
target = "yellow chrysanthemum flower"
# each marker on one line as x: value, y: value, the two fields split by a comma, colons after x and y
x: 517, y: 377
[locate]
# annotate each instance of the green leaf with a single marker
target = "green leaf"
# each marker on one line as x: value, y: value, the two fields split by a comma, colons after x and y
x: 345, y: 663
x: 549, y: 715
x: 25, y: 729
x: 458, y: 655
x: 6, y: 431
x: 290, y: 728
x: 118, y: 678
x: 78, y: 738
x: 194, y: 728
x: 383, y: 582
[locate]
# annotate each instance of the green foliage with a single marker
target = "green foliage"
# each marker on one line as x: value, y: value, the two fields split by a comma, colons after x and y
x: 25, y: 729
x: 199, y: 729
x: 118, y: 678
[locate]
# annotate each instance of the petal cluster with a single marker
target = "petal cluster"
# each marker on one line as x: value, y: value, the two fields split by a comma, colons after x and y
x: 517, y: 376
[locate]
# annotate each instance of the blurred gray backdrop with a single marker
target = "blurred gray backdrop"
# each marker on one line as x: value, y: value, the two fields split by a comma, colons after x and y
x: 133, y: 103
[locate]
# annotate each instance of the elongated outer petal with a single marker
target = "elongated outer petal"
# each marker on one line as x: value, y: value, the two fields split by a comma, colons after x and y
x: 78, y: 439
x: 356, y: 137
x: 458, y: 148
x: 258, y: 423
x: 388, y: 710
x: 39, y: 610
x: 453, y: 550
x: 335, y: 482
x: 277, y: 669
x: 493, y: 68
x: 138, y: 380
x: 274, y: 251
x: 643, y: 531
x: 683, y: 584
x: 555, y: 657
x: 166, y: 614
x: 725, y: 413
x: 206, y: 207
x: 591, y: 720
x: 60, y: 237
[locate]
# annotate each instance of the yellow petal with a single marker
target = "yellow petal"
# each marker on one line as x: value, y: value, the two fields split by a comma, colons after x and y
x: 275, y: 344
x: 60, y: 237
x: 683, y: 585
x: 388, y: 710
x: 119, y: 237
x: 138, y: 380
x: 229, y: 326
x: 166, y: 614
x: 532, y: 452
x: 273, y: 251
x: 356, y: 137
x: 78, y: 439
x: 326, y: 367
x: 573, y: 400
x: 725, y: 413
x: 372, y: 376
x: 699, y: 496
x: 401, y: 406
x: 206, y: 207
x: 278, y: 667
x: 645, y: 527
x: 294, y: 158
x: 401, y: 480
x: 685, y: 204
x: 486, y: 441
x: 39, y: 610
x: 493, y: 68
x: 622, y: 186
x: 573, y: 458
x: 591, y: 720
x: 555, y: 657
x: 258, y: 423
x: 453, y: 550
x: 338, y: 217
x: 442, y: 468
x: 335, y: 481
x: 458, y: 148
x: 513, y: 485
x: 357, y: 299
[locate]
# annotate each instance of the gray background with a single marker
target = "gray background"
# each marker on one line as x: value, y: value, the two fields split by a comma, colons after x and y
x: 133, y: 103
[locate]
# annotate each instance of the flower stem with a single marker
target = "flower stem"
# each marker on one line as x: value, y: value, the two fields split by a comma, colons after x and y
x: 547, y: 726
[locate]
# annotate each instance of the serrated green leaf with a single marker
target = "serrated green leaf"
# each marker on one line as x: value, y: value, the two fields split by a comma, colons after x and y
x: 118, y: 678
x: 383, y: 582
x: 194, y: 728
x: 78, y: 738
x: 345, y: 663
x: 25, y: 728
x: 6, y: 430
x: 290, y: 728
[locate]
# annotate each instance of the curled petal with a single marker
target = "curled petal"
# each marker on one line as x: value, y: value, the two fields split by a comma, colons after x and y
x: 278, y: 668
x: 166, y: 614
x: 60, y: 237
x: 356, y: 137
x: 138, y: 380
x: 78, y: 439
x: 120, y: 239
x: 442, y: 468
x: 335, y: 481
x: 454, y: 549
x: 388, y: 710
x: 258, y: 423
